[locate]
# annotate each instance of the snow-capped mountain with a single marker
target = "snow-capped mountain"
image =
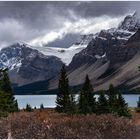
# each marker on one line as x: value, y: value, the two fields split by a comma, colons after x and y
x: 66, y: 54
x: 12, y: 56
x: 105, y: 41
x: 100, y: 55
x: 131, y: 23
x: 107, y: 54
x: 27, y: 65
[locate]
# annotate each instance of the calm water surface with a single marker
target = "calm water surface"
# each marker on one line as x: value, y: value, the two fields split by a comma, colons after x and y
x: 49, y: 100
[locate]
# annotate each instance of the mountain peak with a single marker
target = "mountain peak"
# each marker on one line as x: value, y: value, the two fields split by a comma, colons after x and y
x: 131, y: 22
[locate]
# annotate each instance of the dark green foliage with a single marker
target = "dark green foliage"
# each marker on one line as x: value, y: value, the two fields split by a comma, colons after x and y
x: 63, y: 96
x: 72, y: 108
x: 7, y: 100
x: 117, y: 104
x: 83, y: 106
x: 122, y: 108
x: 7, y: 103
x: 138, y: 106
x: 16, y: 106
x: 112, y: 95
x: 65, y: 102
x: 139, y: 68
x: 102, y: 104
x: 112, y: 99
x: 5, y: 84
x: 41, y: 106
x: 28, y: 108
x: 138, y: 103
x: 121, y: 102
x: 87, y: 101
x: 3, y: 114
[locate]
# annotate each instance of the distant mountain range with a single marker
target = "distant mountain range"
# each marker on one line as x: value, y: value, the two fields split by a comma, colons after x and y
x: 110, y: 56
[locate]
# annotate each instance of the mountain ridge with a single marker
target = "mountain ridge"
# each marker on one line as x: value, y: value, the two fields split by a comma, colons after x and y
x: 103, y: 56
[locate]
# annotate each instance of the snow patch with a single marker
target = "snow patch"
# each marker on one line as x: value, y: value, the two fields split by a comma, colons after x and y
x: 65, y: 54
x: 99, y: 57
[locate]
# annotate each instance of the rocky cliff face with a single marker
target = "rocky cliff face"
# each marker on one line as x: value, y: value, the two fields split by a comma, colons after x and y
x: 131, y: 23
x: 110, y: 44
x: 102, y: 46
x: 27, y: 65
x: 108, y: 56
x: 111, y: 56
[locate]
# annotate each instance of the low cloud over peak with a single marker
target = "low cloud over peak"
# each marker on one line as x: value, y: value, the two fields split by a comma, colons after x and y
x: 44, y: 22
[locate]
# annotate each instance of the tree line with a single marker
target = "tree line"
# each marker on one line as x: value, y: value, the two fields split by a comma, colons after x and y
x: 110, y: 102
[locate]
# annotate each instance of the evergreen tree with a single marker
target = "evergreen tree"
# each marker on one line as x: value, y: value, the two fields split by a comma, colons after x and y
x: 63, y: 96
x: 5, y: 82
x: 87, y: 101
x: 72, y: 108
x: 102, y: 104
x: 28, y: 108
x: 83, y: 106
x: 3, y: 102
x: 122, y: 108
x: 16, y: 106
x: 138, y: 103
x: 112, y: 99
x: 6, y: 95
x: 138, y: 106
x: 41, y: 106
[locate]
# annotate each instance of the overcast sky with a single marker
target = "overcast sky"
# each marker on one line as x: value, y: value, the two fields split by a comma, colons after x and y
x: 58, y: 23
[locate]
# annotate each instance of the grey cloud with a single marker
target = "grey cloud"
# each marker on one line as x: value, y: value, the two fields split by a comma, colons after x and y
x: 66, y: 41
x: 39, y: 17
x: 47, y: 13
x: 111, y: 8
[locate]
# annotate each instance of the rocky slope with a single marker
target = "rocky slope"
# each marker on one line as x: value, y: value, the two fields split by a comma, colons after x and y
x: 27, y: 65
x: 131, y: 22
x: 111, y: 57
x: 108, y: 43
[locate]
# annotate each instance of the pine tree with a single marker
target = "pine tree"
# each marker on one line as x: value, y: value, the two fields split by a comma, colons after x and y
x: 138, y: 103
x: 83, y: 106
x: 10, y: 104
x: 3, y: 102
x: 102, y: 104
x: 41, y: 106
x: 138, y: 106
x: 28, y: 108
x: 5, y: 82
x: 122, y: 106
x: 87, y: 101
x: 112, y: 99
x: 63, y: 96
x: 72, y: 107
x: 90, y: 94
x: 16, y: 109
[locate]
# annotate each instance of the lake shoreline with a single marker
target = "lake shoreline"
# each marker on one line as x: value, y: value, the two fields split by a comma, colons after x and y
x: 50, y: 100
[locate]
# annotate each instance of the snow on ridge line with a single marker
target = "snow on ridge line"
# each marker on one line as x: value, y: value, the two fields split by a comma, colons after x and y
x: 65, y: 54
